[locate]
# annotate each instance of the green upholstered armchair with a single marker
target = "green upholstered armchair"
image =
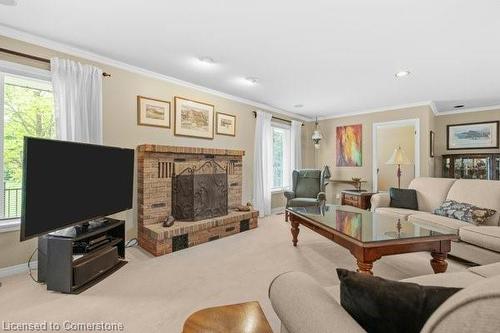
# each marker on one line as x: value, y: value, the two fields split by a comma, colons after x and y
x: 308, y: 188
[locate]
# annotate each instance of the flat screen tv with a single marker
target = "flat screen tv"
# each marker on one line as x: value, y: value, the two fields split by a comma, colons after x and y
x: 68, y: 183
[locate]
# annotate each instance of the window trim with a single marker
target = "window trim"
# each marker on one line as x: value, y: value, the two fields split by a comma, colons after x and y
x: 24, y: 70
x: 12, y: 68
x: 286, y: 127
x: 8, y: 225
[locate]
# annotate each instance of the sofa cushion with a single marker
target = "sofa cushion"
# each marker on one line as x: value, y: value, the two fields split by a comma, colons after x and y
x: 473, y: 309
x: 302, y: 305
x: 396, y: 212
x: 302, y: 202
x: 403, y: 198
x: 431, y: 192
x: 457, y: 279
x: 473, y: 253
x: 484, y: 236
x: 486, y: 271
x: 481, y: 193
x: 464, y: 212
x: 437, y: 223
x: 380, y: 305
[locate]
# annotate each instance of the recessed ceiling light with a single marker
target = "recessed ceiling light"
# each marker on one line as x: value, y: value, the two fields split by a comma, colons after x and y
x: 252, y: 80
x: 458, y: 106
x: 8, y: 2
x: 298, y: 106
x: 402, y: 73
x: 207, y: 60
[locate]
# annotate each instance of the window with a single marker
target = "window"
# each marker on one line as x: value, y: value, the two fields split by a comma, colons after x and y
x: 281, y: 156
x: 26, y: 109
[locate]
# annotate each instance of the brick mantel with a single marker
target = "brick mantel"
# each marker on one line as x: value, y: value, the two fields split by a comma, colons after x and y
x: 148, y: 148
x: 156, y: 167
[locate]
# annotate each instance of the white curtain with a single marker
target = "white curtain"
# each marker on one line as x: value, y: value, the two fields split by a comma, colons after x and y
x: 295, y: 147
x: 77, y: 92
x: 262, y: 164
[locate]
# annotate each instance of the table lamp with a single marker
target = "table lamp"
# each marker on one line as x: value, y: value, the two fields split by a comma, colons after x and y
x: 398, y: 158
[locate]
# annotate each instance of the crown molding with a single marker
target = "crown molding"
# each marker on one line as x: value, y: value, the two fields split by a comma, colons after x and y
x: 87, y: 55
x: 478, y: 109
x: 433, y: 107
x: 389, y: 108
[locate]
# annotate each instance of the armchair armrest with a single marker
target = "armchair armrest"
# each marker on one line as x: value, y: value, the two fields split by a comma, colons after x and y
x: 380, y: 200
x: 303, y: 306
x: 321, y: 196
x: 289, y: 194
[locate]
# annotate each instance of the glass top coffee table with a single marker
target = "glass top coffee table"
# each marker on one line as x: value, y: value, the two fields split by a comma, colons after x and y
x: 370, y: 236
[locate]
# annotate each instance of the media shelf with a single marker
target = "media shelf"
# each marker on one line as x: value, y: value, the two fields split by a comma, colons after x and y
x: 74, y: 261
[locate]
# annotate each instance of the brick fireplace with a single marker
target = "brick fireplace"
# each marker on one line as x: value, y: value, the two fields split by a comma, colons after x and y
x: 158, y: 167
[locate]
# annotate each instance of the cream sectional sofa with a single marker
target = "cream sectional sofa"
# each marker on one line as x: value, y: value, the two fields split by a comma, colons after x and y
x: 478, y: 244
x: 303, y: 306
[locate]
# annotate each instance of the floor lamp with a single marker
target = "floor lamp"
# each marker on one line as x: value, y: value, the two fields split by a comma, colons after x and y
x: 398, y: 158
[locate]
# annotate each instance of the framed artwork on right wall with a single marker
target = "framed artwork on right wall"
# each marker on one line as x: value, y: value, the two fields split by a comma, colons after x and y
x: 481, y: 135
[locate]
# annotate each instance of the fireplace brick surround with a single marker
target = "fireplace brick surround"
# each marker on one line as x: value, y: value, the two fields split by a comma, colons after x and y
x: 156, y: 166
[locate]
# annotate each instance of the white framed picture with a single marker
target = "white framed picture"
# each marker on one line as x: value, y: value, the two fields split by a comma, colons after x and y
x: 153, y: 112
x: 193, y: 118
x: 481, y: 135
x: 225, y: 124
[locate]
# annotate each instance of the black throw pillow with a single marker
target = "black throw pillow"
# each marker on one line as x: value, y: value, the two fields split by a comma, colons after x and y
x: 403, y: 198
x: 380, y: 305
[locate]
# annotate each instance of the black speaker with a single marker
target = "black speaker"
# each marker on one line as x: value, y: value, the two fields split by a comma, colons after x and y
x: 42, y: 258
x: 94, y: 266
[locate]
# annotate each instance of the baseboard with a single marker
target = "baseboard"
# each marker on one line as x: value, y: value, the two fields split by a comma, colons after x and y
x: 277, y: 210
x: 16, y: 269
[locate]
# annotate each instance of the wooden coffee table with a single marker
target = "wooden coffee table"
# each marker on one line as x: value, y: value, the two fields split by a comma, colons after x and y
x: 370, y: 236
x: 235, y: 318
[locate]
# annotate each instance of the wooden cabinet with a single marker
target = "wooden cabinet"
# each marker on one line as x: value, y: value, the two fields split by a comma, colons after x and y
x: 359, y: 199
x: 472, y: 166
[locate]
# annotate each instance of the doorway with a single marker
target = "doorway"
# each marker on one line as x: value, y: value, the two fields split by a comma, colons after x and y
x: 387, y: 137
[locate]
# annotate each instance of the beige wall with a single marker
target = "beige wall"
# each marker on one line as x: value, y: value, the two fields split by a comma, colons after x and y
x: 459, y: 118
x: 388, y: 138
x: 278, y: 200
x: 326, y: 154
x: 120, y: 128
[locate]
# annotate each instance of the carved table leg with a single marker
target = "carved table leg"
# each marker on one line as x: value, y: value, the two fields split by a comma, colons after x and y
x: 438, y: 262
x: 295, y: 230
x: 365, y: 267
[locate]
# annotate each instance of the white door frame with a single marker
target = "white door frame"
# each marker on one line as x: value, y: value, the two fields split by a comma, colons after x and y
x: 396, y: 123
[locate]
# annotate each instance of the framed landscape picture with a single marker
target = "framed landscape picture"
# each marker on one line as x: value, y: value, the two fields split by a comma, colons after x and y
x: 348, y: 146
x: 481, y: 135
x: 225, y: 124
x: 153, y: 112
x: 192, y: 118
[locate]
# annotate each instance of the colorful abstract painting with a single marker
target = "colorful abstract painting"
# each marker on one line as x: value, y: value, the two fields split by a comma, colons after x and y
x: 349, y: 146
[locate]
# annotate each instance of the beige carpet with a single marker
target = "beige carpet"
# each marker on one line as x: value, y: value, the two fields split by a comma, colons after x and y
x: 157, y: 294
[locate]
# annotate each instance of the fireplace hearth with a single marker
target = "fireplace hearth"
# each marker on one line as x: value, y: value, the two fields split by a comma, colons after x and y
x: 200, y: 193
x: 200, y: 187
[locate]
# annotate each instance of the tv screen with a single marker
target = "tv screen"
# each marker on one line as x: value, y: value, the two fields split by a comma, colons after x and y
x: 67, y: 183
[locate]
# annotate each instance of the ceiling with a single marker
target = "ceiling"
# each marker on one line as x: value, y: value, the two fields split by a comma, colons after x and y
x: 333, y: 56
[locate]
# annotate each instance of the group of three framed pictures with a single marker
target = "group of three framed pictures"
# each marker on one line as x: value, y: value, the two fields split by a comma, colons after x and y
x: 191, y: 118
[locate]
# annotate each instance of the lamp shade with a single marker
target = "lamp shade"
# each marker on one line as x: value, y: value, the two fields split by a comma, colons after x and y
x: 398, y: 157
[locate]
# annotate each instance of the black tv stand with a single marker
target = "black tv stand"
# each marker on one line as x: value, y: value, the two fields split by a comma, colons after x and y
x: 78, y: 258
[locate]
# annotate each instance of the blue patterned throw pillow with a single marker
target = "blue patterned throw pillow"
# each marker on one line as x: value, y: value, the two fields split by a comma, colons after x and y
x: 464, y: 212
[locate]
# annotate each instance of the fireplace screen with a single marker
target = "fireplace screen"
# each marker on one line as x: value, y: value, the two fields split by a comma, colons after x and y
x: 200, y: 193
